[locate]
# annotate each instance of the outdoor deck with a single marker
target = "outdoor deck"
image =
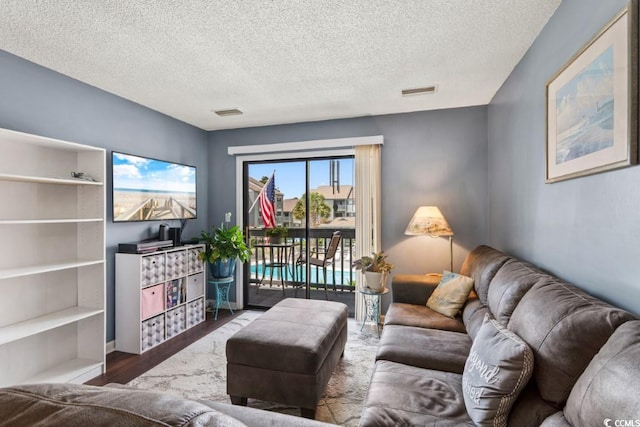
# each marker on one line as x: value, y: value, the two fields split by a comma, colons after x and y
x: 270, y: 265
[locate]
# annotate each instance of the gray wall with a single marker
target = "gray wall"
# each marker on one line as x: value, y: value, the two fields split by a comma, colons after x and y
x: 429, y: 158
x: 584, y: 230
x: 37, y: 100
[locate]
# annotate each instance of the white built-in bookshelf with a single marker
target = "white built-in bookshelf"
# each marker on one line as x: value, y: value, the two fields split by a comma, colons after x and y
x: 52, y: 260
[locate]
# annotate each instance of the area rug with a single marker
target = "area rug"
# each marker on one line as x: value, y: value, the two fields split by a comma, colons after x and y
x: 199, y: 372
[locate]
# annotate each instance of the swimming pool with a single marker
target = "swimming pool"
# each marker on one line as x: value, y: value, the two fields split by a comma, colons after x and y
x: 342, y: 277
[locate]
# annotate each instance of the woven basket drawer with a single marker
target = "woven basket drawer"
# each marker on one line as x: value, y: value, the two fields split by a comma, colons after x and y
x: 195, y: 265
x: 152, y: 270
x: 177, y: 264
x: 195, y: 312
x: 175, y: 321
x: 152, y: 332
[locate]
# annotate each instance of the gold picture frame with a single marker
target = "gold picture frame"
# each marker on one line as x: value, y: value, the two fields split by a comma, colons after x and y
x: 592, y: 104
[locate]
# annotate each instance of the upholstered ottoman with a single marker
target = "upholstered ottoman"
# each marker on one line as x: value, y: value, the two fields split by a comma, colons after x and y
x: 288, y: 354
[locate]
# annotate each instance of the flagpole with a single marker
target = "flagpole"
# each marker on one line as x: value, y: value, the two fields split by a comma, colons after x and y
x: 264, y: 187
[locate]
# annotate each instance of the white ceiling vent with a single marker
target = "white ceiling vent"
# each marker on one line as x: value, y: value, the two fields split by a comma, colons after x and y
x: 419, y: 91
x: 228, y: 112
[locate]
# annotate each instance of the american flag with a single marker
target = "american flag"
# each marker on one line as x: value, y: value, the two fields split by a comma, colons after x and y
x: 267, y: 199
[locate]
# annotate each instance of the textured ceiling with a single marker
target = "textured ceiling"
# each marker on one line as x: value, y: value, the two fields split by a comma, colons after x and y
x: 279, y: 61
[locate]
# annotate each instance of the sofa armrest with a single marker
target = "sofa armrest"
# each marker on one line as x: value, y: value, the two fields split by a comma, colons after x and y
x: 414, y: 288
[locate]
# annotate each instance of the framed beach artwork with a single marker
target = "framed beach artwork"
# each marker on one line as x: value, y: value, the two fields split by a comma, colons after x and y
x: 592, y: 112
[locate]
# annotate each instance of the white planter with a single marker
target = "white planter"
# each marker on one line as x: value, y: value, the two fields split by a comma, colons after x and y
x: 376, y: 282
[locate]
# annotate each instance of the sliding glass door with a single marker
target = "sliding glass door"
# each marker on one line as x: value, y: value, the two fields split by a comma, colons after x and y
x: 302, y: 246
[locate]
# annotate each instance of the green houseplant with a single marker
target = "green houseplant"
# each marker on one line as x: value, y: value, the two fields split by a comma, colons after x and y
x: 276, y: 234
x: 222, y: 247
x: 376, y: 270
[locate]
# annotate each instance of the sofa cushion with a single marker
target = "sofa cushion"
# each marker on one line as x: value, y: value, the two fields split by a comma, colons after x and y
x: 424, y: 348
x: 508, y: 287
x: 451, y: 294
x: 565, y: 327
x: 403, y: 395
x: 83, y: 405
x: 609, y: 386
x: 497, y: 369
x: 473, y: 315
x: 558, y: 420
x: 529, y: 409
x: 481, y: 265
x: 422, y: 317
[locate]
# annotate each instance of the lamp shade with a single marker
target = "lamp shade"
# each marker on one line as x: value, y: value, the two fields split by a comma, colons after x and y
x: 428, y: 220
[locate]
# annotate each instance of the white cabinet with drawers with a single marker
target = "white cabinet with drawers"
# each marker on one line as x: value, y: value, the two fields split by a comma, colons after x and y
x: 158, y: 296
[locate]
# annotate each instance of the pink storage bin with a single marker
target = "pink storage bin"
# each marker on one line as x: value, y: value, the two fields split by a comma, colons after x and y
x: 152, y: 300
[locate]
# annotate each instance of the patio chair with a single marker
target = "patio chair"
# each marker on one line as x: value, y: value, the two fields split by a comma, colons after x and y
x: 323, y: 259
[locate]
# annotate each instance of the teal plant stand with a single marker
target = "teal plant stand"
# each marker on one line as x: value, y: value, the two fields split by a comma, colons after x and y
x: 372, y: 303
x: 222, y: 285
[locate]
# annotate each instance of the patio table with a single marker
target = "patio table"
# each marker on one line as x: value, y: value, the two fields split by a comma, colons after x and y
x: 278, y: 258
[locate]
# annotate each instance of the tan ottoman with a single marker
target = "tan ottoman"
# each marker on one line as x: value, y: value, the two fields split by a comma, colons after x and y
x: 288, y: 354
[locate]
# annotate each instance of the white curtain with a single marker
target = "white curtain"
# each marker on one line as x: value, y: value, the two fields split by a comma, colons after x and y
x: 368, y: 208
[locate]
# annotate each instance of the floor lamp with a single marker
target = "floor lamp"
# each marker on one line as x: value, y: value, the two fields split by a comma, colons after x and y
x: 429, y: 221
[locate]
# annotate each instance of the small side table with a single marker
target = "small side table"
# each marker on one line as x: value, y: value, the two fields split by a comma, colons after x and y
x: 372, y: 306
x: 222, y: 285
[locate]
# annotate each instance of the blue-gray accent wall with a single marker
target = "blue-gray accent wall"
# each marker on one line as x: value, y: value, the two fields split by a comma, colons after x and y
x: 428, y: 158
x: 585, y: 230
x: 37, y: 100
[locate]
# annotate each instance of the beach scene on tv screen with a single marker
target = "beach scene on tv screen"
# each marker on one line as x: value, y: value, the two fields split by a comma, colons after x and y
x: 149, y: 189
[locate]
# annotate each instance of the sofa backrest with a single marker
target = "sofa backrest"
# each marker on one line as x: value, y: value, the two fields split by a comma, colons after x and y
x: 509, y: 285
x: 608, y: 388
x: 565, y: 327
x: 481, y: 265
x: 84, y: 405
x: 473, y: 315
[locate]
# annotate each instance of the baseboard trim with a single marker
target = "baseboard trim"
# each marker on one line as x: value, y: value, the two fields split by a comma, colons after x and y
x: 110, y: 347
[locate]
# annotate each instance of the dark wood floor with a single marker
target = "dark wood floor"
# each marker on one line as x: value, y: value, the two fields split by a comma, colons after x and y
x: 123, y: 367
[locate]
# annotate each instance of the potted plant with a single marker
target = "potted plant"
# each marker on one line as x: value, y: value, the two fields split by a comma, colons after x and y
x: 376, y: 270
x: 223, y: 246
x: 276, y: 234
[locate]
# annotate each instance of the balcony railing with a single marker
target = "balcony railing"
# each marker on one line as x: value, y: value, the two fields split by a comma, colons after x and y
x: 341, y: 273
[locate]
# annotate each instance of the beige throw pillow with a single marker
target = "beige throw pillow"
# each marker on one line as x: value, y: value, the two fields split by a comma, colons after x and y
x: 498, y: 367
x: 451, y: 294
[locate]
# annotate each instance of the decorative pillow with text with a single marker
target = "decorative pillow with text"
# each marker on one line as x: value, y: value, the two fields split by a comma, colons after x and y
x: 451, y: 293
x: 498, y: 367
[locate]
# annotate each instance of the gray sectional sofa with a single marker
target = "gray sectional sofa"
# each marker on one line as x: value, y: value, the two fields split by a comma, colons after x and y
x: 572, y: 359
x: 584, y: 354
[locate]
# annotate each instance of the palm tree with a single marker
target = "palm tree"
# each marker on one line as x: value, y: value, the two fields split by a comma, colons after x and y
x: 318, y: 208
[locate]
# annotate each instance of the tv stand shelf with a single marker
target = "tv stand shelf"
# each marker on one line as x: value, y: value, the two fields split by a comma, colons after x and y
x: 52, y: 271
x: 158, y: 296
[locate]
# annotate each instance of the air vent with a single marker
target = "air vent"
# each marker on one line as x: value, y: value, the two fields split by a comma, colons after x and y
x: 419, y: 91
x: 228, y: 112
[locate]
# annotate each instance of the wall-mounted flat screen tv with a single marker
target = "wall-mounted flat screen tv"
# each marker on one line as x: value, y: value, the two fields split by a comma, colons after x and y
x: 146, y: 189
